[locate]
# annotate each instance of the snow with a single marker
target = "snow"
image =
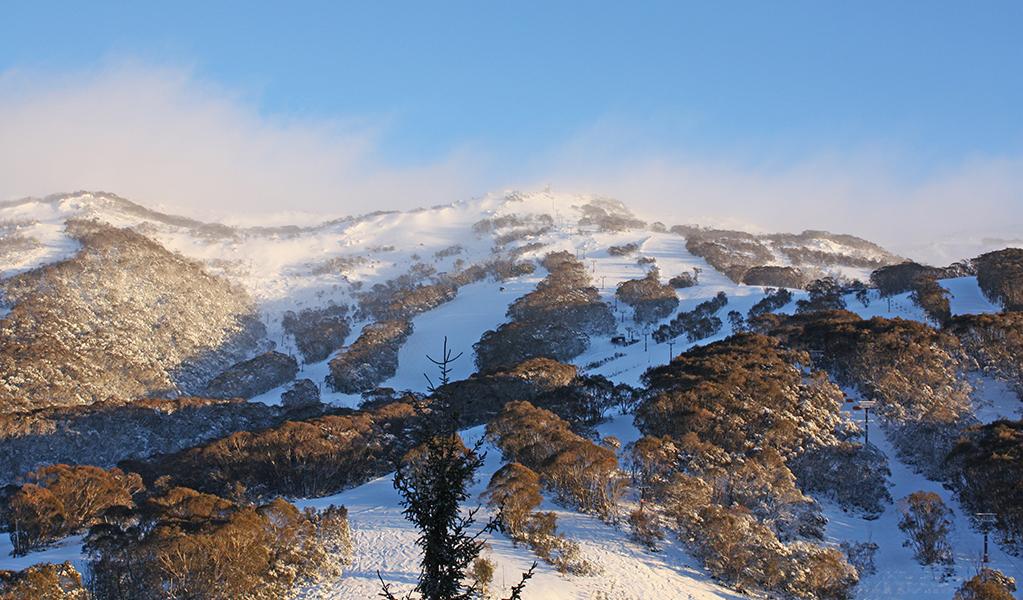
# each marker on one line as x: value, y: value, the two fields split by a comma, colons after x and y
x: 276, y: 269
x: 898, y: 574
x: 966, y: 297
x: 385, y: 543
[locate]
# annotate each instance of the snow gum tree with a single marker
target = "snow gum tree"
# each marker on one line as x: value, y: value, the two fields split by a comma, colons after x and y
x: 928, y: 526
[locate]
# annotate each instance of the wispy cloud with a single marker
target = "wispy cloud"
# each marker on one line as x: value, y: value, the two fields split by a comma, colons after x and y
x: 160, y: 135
x: 880, y: 191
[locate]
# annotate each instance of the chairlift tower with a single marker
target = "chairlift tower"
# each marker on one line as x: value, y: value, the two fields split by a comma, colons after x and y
x: 865, y: 406
x: 987, y: 520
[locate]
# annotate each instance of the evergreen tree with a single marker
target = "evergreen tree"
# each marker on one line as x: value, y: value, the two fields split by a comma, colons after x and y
x: 433, y: 480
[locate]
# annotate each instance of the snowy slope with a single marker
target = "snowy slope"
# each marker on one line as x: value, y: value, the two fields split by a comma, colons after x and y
x: 277, y: 269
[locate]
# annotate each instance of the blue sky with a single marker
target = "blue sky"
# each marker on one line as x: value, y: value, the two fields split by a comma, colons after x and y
x: 820, y: 110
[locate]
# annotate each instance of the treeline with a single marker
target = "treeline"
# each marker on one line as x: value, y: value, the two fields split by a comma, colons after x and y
x: 318, y: 331
x: 608, y: 214
x: 184, y: 544
x: 105, y: 435
x: 697, y: 324
x: 1000, y: 277
x: 62, y: 500
x: 985, y: 469
x: 514, y: 494
x: 650, y: 300
x: 121, y: 319
x: 582, y: 400
x: 773, y: 276
x: 511, y: 220
x: 517, y: 227
x: 623, y: 250
x: 156, y: 535
x: 303, y: 459
x: 725, y: 426
x: 372, y: 358
x: 738, y: 254
x: 554, y: 321
x: 910, y: 369
x: 579, y: 472
x: 773, y: 300
x: 44, y: 580
x: 922, y: 282
x: 253, y: 377
x: 390, y: 297
x: 994, y: 342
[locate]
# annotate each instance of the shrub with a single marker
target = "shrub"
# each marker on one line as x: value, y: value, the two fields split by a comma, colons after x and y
x: 783, y: 277
x: 184, y: 544
x: 514, y: 491
x: 338, y: 265
x: 986, y: 467
x: 740, y: 394
x: 623, y: 250
x: 554, y: 321
x: 697, y: 324
x: 454, y: 250
x: 253, y: 377
x: 995, y: 342
x: 988, y: 584
x: 682, y: 280
x: 825, y: 294
x: 295, y: 459
x: 44, y: 581
x: 911, y: 370
x: 578, y: 470
x: 856, y: 477
x: 772, y: 301
x: 893, y: 280
x: 646, y: 529
x: 933, y: 298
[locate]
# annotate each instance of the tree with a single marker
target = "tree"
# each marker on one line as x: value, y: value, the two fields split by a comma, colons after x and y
x: 514, y: 490
x: 928, y: 525
x: 825, y: 294
x: 736, y: 321
x: 433, y: 480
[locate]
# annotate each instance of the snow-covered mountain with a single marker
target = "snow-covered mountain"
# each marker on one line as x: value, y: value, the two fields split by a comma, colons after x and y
x: 277, y: 275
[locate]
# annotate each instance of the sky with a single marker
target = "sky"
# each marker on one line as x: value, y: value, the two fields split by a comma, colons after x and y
x: 896, y: 121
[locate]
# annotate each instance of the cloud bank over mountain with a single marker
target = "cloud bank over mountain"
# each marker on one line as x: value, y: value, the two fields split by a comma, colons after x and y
x: 163, y: 136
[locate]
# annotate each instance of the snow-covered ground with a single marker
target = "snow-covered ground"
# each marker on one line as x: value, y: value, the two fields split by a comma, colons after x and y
x: 277, y: 270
